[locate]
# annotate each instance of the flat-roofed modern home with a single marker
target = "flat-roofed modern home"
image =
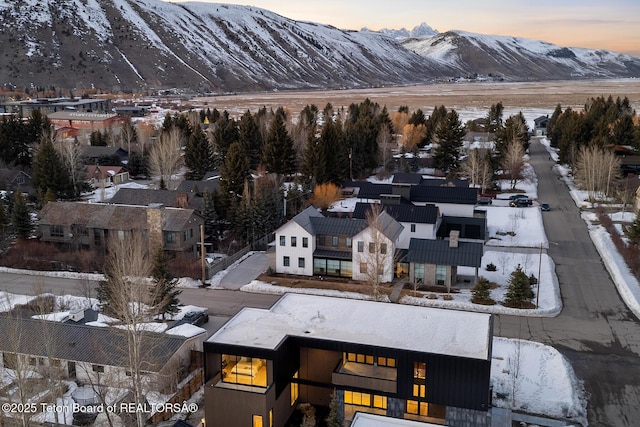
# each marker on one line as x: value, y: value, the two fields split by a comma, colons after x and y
x: 405, y: 362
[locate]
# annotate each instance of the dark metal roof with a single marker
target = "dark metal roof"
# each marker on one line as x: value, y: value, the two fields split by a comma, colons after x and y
x: 209, y: 185
x: 407, y: 178
x: 433, y: 194
x: 82, y: 343
x: 469, y: 227
x: 336, y: 226
x: 370, y: 190
x: 437, y: 182
x: 402, y: 213
x: 324, y: 253
x: 438, y: 252
x: 90, y: 151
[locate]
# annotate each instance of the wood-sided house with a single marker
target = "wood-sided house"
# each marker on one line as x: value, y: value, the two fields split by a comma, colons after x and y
x: 92, y: 225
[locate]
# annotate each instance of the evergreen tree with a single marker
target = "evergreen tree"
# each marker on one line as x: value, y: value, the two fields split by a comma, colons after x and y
x: 310, y: 158
x: 520, y: 293
x: 333, y: 157
x: 279, y: 156
x: 251, y: 138
x: 20, y: 216
x: 197, y: 156
x: 494, y: 117
x: 624, y: 131
x: 234, y: 171
x: 98, y: 139
x: 433, y: 122
x: 515, y: 129
x: 551, y: 126
x: 3, y: 219
x: 50, y: 172
x: 481, y: 293
x: 164, y: 291
x: 208, y: 212
x: 633, y: 231
x: 15, y: 141
x: 335, y: 417
x: 449, y: 135
x: 223, y: 134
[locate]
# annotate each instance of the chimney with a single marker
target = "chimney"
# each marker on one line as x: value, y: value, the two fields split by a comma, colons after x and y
x: 182, y: 200
x: 402, y: 190
x: 453, y: 238
x: 154, y: 224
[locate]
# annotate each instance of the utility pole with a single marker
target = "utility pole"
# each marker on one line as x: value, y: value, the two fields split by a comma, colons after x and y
x: 202, y: 251
x: 539, y: 270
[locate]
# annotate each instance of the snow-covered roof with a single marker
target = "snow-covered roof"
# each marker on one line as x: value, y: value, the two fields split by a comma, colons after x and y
x: 186, y: 330
x: 432, y: 330
x: 371, y: 420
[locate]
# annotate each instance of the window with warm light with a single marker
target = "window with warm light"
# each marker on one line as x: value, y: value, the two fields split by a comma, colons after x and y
x: 365, y: 399
x: 294, y: 390
x: 244, y: 370
x: 369, y: 359
x: 257, y: 421
x: 417, y: 408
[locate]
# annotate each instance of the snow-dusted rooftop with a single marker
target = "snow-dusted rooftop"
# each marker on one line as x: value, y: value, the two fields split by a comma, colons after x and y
x: 428, y: 330
x: 371, y: 420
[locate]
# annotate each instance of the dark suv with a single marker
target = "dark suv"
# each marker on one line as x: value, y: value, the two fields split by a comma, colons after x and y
x: 196, y: 318
x: 520, y: 202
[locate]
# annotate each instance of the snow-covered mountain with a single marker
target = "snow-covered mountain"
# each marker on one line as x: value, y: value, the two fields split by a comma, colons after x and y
x: 516, y: 58
x: 149, y: 44
x: 421, y: 30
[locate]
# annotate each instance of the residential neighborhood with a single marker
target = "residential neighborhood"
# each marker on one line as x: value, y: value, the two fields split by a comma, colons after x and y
x: 267, y: 281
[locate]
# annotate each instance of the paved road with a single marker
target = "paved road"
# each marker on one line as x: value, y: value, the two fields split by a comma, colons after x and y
x: 595, y: 330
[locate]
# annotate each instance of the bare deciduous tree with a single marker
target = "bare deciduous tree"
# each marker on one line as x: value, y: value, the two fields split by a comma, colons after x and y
x: 69, y: 151
x: 375, y: 262
x: 128, y: 266
x: 597, y: 170
x: 165, y: 157
x: 513, y: 162
x: 477, y: 168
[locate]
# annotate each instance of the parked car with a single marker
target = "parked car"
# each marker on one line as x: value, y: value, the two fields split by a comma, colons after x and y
x: 518, y: 196
x: 196, y: 318
x: 520, y: 202
x: 484, y: 201
x: 545, y: 207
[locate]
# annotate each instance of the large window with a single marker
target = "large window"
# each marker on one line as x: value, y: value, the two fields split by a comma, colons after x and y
x: 417, y: 408
x: 244, y: 370
x: 369, y: 359
x: 418, y: 273
x: 294, y: 241
x: 294, y: 389
x: 300, y: 262
x: 360, y: 246
x: 305, y: 242
x: 333, y: 267
x: 286, y: 261
x: 365, y: 399
x: 419, y: 377
x: 187, y: 234
x: 170, y: 237
x: 257, y: 421
x: 283, y: 240
x: 441, y: 275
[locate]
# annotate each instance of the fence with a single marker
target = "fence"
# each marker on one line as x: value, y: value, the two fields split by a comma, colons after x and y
x: 258, y: 245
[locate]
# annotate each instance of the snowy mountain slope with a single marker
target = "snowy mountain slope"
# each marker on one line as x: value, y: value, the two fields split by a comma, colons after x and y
x: 139, y: 45
x: 517, y: 58
x: 421, y: 30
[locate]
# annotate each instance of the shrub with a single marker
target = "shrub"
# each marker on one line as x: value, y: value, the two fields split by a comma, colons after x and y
x: 491, y: 267
x: 480, y: 293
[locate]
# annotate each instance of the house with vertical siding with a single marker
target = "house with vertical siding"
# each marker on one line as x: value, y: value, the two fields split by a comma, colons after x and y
x: 405, y: 362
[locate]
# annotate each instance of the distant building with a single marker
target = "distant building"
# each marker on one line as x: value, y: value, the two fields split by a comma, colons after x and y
x: 84, y: 123
x: 52, y: 105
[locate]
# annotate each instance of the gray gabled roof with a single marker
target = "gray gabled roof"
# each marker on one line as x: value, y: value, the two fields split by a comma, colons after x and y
x: 82, y: 343
x: 303, y: 219
x: 112, y: 217
x: 469, y: 227
x: 438, y: 252
x: 144, y: 197
x: 337, y: 226
x: 388, y: 226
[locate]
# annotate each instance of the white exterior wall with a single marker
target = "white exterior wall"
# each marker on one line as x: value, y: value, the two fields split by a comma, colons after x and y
x: 423, y: 231
x: 288, y: 230
x: 358, y: 257
x: 452, y: 209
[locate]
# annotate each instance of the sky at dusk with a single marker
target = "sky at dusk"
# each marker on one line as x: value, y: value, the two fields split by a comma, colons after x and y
x: 612, y: 24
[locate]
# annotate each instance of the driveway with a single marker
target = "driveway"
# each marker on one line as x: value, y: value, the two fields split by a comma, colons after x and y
x: 246, y: 271
x: 595, y: 330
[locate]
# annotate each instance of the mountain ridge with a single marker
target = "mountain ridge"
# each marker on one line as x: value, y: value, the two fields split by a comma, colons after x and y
x: 146, y: 45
